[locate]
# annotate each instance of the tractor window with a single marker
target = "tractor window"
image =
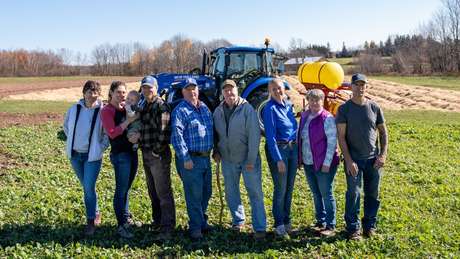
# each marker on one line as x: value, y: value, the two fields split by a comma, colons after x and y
x: 219, y: 65
x: 241, y: 63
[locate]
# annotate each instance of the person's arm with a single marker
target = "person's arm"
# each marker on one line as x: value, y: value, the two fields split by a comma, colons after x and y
x: 383, y: 139
x: 65, y: 126
x: 330, y: 130
x: 351, y: 166
x: 215, y: 151
x: 253, y: 130
x: 108, y: 122
x: 165, y: 125
x: 270, y: 134
x: 177, y: 136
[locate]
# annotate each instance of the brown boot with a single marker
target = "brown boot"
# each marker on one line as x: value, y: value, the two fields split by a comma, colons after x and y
x: 90, y: 228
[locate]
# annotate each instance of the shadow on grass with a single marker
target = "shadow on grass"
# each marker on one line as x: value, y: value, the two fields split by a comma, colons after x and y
x: 219, y: 241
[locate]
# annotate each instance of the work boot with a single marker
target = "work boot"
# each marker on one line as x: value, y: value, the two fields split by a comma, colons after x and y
x: 355, y: 235
x: 369, y: 232
x: 327, y: 232
x: 260, y: 235
x: 163, y: 236
x: 238, y: 228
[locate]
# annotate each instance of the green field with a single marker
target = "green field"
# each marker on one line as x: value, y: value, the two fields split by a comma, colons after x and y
x: 30, y: 107
x: 443, y: 82
x: 41, y: 210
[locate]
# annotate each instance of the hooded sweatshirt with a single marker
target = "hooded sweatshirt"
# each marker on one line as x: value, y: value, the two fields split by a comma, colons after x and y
x: 99, y: 140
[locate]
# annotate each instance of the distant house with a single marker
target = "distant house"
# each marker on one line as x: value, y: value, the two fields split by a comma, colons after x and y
x: 292, y: 65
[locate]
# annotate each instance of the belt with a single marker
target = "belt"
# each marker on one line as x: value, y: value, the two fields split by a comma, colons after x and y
x: 289, y: 143
x: 203, y: 154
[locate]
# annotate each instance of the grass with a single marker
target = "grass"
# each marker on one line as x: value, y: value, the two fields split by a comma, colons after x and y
x: 41, y: 210
x: 30, y: 107
x: 22, y: 80
x: 443, y: 82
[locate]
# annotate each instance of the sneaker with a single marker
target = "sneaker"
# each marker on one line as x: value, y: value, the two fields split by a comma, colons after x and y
x: 90, y: 228
x: 163, y: 236
x: 238, y: 228
x: 260, y: 235
x: 355, y: 235
x: 318, y: 227
x: 369, y: 232
x: 123, y: 231
x: 289, y: 229
x: 328, y: 232
x: 280, y: 232
x: 98, y: 220
x: 134, y: 223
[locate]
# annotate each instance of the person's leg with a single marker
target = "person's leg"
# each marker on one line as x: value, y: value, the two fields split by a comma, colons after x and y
x: 207, y: 188
x: 132, y: 175
x: 279, y: 190
x: 371, y: 179
x: 231, y: 173
x: 352, y: 199
x: 91, y: 172
x: 122, y: 166
x: 253, y: 184
x: 291, y: 167
x: 149, y: 167
x: 326, y: 188
x: 320, y: 211
x: 161, y: 171
x: 192, y: 181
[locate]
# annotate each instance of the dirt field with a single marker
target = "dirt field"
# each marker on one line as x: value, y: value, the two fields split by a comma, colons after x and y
x: 394, y: 96
x: 17, y: 88
x: 389, y: 95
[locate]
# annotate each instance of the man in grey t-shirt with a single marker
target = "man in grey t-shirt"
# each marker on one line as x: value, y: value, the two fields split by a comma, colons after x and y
x: 359, y: 123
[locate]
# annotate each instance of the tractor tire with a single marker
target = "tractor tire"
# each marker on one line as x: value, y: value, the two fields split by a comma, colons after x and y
x: 258, y: 100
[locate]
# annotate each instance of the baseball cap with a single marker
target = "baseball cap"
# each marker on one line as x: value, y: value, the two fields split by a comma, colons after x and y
x: 149, y: 81
x: 229, y: 82
x: 188, y: 82
x: 358, y: 77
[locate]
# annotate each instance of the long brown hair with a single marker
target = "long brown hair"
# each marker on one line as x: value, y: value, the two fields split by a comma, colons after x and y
x: 113, y: 86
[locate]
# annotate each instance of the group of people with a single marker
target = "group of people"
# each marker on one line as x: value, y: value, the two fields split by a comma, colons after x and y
x: 231, y: 136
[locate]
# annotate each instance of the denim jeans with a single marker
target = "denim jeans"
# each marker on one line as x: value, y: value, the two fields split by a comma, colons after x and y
x: 125, y: 167
x: 198, y: 190
x: 87, y: 173
x: 253, y: 184
x: 371, y: 179
x: 322, y: 189
x: 283, y: 183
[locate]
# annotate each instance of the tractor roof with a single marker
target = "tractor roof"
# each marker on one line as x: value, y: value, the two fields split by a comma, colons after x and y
x: 244, y: 49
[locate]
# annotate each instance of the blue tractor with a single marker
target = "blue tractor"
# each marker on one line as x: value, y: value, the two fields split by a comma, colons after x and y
x: 251, y: 68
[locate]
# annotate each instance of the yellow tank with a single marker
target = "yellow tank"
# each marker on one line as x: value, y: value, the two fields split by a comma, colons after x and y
x: 329, y: 74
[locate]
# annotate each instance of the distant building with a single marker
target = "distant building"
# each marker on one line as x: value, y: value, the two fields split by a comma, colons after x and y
x: 292, y: 65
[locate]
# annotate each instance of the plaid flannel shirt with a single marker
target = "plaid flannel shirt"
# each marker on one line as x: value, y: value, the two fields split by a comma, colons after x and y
x: 156, y: 127
x: 192, y: 129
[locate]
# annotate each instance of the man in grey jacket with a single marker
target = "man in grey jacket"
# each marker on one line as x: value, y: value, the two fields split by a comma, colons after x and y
x: 238, y: 139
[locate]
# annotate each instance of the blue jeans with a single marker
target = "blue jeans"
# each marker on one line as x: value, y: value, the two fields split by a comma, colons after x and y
x: 125, y: 167
x: 87, y: 173
x: 283, y: 183
x: 322, y: 189
x: 198, y: 190
x: 371, y: 179
x: 253, y: 184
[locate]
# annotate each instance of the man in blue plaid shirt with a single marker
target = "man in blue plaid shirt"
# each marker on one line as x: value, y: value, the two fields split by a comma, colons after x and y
x: 192, y: 139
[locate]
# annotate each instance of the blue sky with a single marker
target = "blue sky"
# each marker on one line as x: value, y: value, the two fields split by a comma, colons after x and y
x: 81, y: 25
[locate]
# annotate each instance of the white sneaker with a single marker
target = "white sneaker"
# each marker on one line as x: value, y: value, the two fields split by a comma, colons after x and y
x: 280, y: 232
x: 288, y: 228
x: 123, y: 231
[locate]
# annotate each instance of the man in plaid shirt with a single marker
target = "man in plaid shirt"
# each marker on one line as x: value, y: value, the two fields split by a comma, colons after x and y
x: 192, y: 139
x: 156, y: 154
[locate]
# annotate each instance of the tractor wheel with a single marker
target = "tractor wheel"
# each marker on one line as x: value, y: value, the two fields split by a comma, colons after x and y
x: 258, y: 100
